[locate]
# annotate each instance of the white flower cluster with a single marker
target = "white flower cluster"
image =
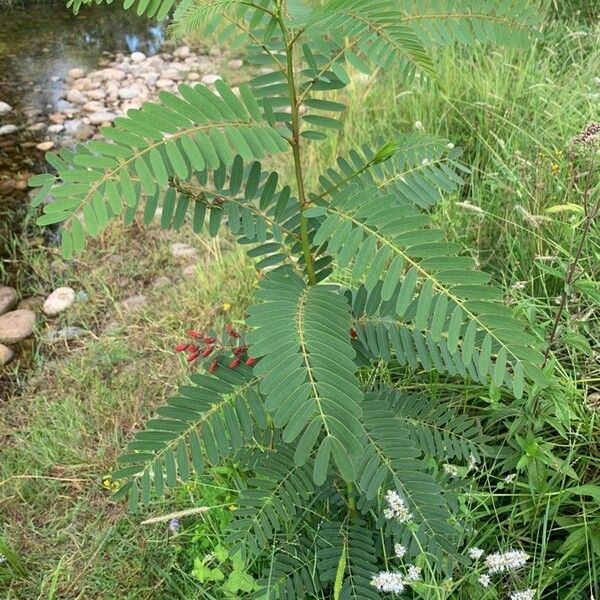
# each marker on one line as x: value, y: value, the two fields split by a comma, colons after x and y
x: 523, y: 595
x: 452, y: 470
x: 399, y: 550
x: 485, y: 580
x: 475, y: 553
x: 397, y: 508
x: 413, y: 573
x: 501, y: 562
x: 388, y: 581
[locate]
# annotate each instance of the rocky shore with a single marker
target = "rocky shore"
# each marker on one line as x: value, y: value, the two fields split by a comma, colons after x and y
x: 93, y: 99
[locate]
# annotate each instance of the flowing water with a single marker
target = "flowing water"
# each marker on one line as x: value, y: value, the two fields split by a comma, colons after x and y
x: 39, y: 43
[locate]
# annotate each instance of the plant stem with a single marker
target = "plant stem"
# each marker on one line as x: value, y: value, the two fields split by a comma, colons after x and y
x: 351, y: 499
x: 295, y: 142
x: 590, y: 215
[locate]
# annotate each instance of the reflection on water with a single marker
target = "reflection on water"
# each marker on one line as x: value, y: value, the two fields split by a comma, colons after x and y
x: 40, y: 42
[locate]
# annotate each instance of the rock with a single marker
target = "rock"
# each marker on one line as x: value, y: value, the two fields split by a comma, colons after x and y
x: 129, y: 105
x: 76, y: 96
x: 179, y: 250
x: 134, y: 303
x: 56, y: 117
x: 8, y: 129
x: 235, y: 63
x: 7, y: 186
x: 161, y: 282
x: 98, y: 118
x: 173, y: 74
x: 84, y: 132
x: 84, y: 84
x: 110, y: 74
x: 165, y: 83
x: 93, y: 106
x: 37, y: 127
x: 59, y: 300
x: 210, y: 79
x: 76, y: 73
x: 129, y: 92
x: 138, y: 57
x: 8, y: 299
x: 96, y: 94
x: 182, y: 52
x: 5, y: 108
x: 16, y: 325
x: 6, y: 355
x: 66, y: 333
x: 45, y: 146
x: 56, y: 128
x: 72, y: 125
x: 193, y: 76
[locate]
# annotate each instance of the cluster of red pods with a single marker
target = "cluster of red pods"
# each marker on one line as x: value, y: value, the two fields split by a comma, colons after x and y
x: 213, y: 345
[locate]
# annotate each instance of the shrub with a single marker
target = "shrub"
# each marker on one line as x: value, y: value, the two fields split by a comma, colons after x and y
x: 353, y: 275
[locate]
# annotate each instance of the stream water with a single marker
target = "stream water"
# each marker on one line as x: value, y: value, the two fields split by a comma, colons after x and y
x: 39, y: 43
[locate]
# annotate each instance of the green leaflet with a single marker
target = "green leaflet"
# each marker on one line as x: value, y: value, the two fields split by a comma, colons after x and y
x: 302, y: 336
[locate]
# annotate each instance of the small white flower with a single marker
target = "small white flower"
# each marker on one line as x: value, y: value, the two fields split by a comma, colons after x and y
x: 2, y: 558
x: 472, y: 463
x: 425, y: 161
x: 399, y: 550
x: 419, y: 126
x: 485, y: 580
x: 450, y: 145
x: 523, y: 595
x: 413, y: 573
x: 397, y: 509
x: 452, y: 470
x: 387, y: 581
x: 510, y: 478
x: 502, y: 562
x: 475, y: 553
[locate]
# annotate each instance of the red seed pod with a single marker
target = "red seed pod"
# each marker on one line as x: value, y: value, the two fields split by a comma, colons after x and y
x: 192, y: 357
x: 240, y: 350
x: 353, y: 333
x: 234, y: 363
x: 231, y: 331
x: 181, y: 347
x: 209, y: 340
x: 193, y: 333
x: 208, y: 351
x: 251, y: 361
x: 213, y: 366
x: 193, y: 348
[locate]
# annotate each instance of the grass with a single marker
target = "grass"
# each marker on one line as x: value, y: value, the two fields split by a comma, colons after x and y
x: 73, y: 404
